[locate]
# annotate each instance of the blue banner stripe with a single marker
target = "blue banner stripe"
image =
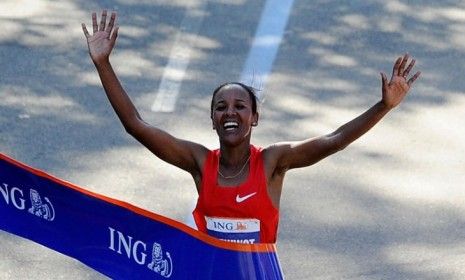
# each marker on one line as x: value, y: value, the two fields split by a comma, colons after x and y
x: 116, y: 238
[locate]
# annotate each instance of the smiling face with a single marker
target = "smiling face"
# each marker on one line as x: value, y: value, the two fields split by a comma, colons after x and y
x: 233, y: 114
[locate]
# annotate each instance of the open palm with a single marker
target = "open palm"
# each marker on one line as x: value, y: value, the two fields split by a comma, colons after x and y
x: 395, y: 90
x: 103, y: 39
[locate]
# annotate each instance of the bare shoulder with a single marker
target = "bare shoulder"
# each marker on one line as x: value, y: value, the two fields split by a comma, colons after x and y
x: 276, y: 150
x: 275, y: 171
x: 273, y: 157
x: 200, y: 153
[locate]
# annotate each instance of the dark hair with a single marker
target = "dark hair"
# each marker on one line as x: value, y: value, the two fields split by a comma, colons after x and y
x: 249, y: 89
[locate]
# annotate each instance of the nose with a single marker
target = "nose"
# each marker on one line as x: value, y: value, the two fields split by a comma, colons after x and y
x: 230, y: 110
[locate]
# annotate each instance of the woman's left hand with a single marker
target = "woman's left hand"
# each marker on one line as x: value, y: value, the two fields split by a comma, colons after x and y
x: 395, y: 90
x: 103, y: 39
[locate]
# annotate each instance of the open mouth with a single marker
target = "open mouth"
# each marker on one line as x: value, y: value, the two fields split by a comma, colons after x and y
x: 229, y: 126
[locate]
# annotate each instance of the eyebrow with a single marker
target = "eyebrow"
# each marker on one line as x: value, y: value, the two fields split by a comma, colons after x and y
x: 223, y: 101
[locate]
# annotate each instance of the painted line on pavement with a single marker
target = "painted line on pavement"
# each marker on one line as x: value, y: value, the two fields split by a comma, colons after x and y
x: 266, y: 42
x: 175, y: 70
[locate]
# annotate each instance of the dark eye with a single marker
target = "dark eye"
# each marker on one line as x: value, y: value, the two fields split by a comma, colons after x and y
x: 220, y: 108
x: 240, y: 106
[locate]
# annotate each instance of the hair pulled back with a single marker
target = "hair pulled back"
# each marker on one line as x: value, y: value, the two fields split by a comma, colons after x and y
x: 250, y: 90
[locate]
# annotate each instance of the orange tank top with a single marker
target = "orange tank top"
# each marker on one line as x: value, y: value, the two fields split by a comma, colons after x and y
x: 242, y: 214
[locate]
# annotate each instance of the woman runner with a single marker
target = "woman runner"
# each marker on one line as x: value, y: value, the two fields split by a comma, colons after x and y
x: 239, y: 184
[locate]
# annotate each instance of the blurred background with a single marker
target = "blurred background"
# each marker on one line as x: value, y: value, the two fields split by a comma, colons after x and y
x: 390, y: 206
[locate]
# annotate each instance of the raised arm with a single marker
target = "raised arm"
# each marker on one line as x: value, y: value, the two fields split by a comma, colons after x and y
x: 184, y: 154
x: 304, y: 153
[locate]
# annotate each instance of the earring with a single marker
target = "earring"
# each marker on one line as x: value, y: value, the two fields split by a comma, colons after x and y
x: 254, y: 124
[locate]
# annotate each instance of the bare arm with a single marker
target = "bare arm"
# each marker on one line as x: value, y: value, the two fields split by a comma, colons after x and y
x: 184, y: 154
x: 304, y: 153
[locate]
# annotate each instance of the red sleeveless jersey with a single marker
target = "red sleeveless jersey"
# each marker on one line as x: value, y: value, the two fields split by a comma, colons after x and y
x: 242, y: 214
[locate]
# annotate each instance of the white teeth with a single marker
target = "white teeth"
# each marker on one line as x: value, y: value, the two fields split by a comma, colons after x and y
x: 230, y: 125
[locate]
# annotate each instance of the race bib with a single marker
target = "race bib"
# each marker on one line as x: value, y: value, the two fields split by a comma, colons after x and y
x: 236, y: 230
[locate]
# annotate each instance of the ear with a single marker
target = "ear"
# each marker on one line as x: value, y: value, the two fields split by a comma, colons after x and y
x: 255, y: 119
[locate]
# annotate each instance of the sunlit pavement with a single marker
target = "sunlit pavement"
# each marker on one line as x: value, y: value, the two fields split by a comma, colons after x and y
x: 390, y: 206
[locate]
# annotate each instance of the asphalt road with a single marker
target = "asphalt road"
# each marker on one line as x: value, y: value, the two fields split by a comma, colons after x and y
x: 390, y: 206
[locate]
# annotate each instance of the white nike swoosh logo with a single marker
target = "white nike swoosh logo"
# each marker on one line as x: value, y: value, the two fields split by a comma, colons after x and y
x: 240, y: 199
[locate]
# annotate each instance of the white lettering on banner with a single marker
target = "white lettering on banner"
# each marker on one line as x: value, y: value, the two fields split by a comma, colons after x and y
x: 5, y: 193
x: 142, y: 254
x: 112, y: 239
x: 10, y: 195
x: 126, y: 244
x: 15, y: 195
x: 138, y: 252
x: 15, y: 202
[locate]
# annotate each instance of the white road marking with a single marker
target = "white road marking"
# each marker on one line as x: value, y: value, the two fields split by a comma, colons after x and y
x: 266, y: 43
x: 175, y: 70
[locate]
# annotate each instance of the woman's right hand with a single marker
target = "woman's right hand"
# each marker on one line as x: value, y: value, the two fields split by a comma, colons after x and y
x: 103, y: 39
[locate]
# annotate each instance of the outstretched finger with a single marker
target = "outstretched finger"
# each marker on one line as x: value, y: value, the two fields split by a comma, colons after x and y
x: 84, y: 28
x: 111, y: 23
x: 383, y: 80
x: 402, y: 65
x: 410, y: 82
x: 395, y: 69
x: 103, y: 20
x: 409, y: 68
x: 114, y: 35
x: 94, y: 22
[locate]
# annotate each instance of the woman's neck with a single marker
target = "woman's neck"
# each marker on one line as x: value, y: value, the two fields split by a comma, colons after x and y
x: 234, y: 156
x: 233, y: 167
